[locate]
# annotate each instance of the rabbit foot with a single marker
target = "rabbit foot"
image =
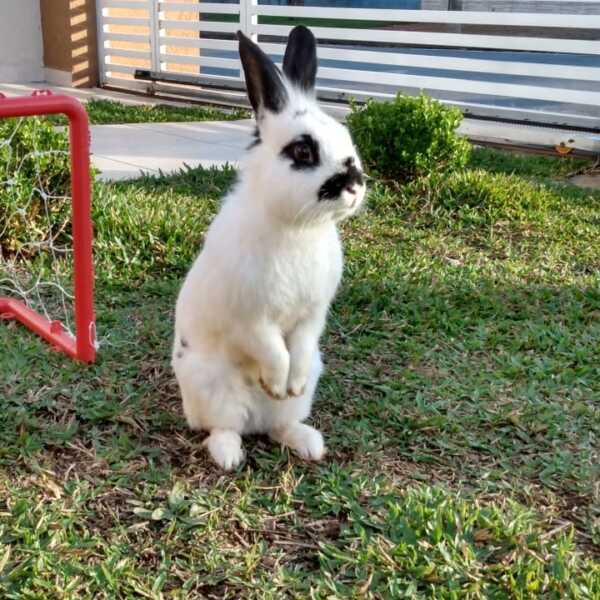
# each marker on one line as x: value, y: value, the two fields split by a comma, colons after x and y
x: 225, y: 448
x: 303, y: 440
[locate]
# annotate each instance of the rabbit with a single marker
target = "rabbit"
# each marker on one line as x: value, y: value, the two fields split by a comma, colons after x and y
x: 252, y: 308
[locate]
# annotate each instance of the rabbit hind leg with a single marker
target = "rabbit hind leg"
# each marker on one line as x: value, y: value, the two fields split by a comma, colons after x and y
x: 216, y: 401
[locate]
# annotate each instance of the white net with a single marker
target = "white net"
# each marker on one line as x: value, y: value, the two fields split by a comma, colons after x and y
x: 35, y: 217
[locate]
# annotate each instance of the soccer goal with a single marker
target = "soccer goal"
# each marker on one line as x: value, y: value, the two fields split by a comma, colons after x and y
x: 46, y: 265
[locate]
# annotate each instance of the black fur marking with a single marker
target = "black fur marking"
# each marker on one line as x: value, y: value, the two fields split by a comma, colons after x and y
x: 264, y: 80
x: 334, y: 186
x: 303, y: 152
x: 300, y: 59
x: 184, y: 343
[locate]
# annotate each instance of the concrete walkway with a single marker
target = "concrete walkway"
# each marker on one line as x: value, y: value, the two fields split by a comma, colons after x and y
x: 126, y: 151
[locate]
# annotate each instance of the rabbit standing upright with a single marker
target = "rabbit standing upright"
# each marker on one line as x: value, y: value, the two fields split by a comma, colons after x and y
x: 253, y: 306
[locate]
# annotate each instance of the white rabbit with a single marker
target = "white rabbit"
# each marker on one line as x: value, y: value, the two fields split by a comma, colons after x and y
x: 253, y: 306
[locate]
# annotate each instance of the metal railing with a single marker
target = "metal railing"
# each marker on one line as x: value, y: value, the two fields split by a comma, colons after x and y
x: 536, y: 61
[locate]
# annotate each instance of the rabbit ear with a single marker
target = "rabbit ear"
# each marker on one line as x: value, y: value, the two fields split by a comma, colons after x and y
x: 264, y: 81
x: 300, y: 60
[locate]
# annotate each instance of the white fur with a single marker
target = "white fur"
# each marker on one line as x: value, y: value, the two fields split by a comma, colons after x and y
x: 254, y: 304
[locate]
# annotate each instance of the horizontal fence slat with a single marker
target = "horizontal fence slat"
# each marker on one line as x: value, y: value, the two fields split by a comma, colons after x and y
x: 136, y: 21
x: 143, y: 5
x: 528, y: 135
x: 451, y: 84
x: 129, y: 84
x: 127, y: 37
x: 489, y: 66
x: 200, y: 7
x: 568, y: 46
x: 490, y: 110
x: 216, y: 79
x: 145, y: 54
x: 509, y: 112
x: 200, y: 26
x: 433, y: 16
x: 205, y: 61
x: 169, y: 40
x: 115, y: 68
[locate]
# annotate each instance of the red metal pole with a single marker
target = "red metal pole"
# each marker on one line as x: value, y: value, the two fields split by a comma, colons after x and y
x: 52, y: 331
x: 82, y: 231
x: 85, y: 344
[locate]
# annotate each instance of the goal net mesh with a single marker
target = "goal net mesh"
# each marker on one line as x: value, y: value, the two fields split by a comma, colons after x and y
x: 35, y: 217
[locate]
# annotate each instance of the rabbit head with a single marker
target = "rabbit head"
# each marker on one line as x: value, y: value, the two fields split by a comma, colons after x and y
x: 302, y: 165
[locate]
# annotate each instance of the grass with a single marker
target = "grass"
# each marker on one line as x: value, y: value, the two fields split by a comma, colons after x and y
x: 106, y: 112
x: 461, y: 406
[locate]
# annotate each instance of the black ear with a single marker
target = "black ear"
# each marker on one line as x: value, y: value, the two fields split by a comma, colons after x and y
x: 264, y: 81
x: 300, y: 60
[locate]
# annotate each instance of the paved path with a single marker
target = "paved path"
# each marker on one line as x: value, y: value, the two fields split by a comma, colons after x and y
x: 125, y: 151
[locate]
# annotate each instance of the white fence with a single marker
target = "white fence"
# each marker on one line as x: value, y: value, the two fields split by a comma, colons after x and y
x: 525, y: 65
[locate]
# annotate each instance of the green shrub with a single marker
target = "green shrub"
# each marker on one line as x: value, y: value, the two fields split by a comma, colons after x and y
x: 408, y: 137
x: 34, y: 184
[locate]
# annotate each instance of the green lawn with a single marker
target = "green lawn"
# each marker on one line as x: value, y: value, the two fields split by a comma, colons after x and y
x: 461, y: 407
x: 104, y: 112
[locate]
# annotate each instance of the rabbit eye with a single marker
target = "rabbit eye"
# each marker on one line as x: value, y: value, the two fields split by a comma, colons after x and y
x: 303, y: 152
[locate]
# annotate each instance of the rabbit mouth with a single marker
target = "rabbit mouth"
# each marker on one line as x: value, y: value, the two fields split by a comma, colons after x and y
x: 345, y: 181
x: 356, y: 198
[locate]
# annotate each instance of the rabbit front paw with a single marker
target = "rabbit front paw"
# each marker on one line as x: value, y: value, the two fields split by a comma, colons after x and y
x: 298, y: 377
x: 296, y: 386
x: 275, y: 390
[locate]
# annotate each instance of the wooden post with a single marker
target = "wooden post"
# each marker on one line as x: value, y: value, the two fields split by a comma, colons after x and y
x: 70, y: 44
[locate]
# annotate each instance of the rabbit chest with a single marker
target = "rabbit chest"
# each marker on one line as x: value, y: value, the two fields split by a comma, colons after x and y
x: 296, y: 275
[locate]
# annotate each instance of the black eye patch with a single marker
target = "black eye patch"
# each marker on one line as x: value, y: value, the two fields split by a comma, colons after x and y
x: 303, y: 152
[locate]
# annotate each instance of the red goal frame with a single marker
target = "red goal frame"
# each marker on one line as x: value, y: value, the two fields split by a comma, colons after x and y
x: 82, y: 347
